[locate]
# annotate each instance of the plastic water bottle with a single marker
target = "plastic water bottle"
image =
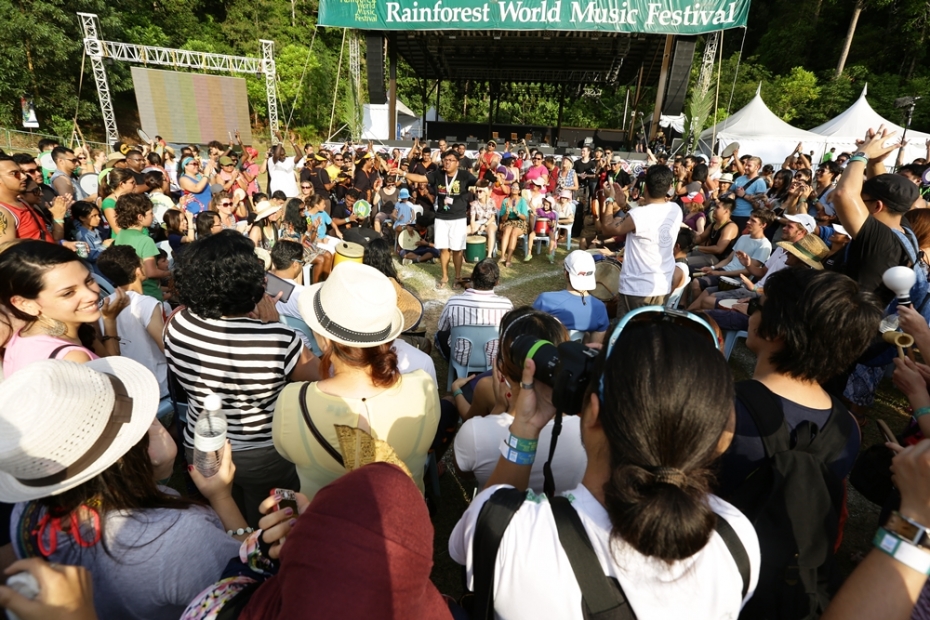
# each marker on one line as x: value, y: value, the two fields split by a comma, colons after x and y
x: 209, y: 436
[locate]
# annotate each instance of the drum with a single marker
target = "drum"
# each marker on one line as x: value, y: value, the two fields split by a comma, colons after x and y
x: 407, y: 240
x: 89, y: 182
x: 476, y: 248
x: 347, y: 251
x: 607, y: 276
x: 542, y: 226
x: 728, y: 284
x: 47, y: 162
x: 361, y: 208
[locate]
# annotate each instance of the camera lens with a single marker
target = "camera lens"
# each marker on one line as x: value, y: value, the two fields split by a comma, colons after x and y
x: 542, y: 352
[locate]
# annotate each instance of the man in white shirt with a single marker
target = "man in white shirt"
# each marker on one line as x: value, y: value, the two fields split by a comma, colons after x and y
x: 478, y: 305
x: 287, y: 263
x: 650, y: 230
x: 754, y: 245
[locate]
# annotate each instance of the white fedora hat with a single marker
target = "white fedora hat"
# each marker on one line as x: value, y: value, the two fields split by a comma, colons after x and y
x: 62, y: 424
x: 264, y: 208
x: 356, y: 306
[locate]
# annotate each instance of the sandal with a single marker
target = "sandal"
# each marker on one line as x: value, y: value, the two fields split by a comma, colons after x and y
x: 441, y: 285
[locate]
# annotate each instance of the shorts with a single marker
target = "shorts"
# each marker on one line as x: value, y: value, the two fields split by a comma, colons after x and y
x: 450, y: 234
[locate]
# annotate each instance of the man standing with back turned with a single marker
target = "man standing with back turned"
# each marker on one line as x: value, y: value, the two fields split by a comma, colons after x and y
x: 450, y: 186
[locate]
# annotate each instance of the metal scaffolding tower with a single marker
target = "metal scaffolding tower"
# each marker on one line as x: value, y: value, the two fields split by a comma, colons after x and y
x: 98, y: 49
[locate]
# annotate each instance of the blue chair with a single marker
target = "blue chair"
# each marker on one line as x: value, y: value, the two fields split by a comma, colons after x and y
x: 479, y: 336
x: 299, y: 325
x: 729, y: 341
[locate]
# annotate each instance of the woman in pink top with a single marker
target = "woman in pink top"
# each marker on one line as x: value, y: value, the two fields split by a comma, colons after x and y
x: 49, y: 288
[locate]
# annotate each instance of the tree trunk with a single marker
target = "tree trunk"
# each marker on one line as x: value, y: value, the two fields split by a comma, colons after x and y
x: 860, y: 4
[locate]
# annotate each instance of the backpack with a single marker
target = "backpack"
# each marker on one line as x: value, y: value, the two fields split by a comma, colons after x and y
x: 794, y: 502
x: 602, y: 597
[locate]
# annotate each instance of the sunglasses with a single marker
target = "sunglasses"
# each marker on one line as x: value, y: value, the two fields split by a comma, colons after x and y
x: 226, y: 204
x: 537, y: 159
x: 30, y: 171
x: 35, y: 192
x: 82, y: 157
x: 306, y: 187
x: 658, y: 314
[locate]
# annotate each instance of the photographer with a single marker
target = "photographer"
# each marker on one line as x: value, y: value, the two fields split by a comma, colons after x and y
x: 644, y: 501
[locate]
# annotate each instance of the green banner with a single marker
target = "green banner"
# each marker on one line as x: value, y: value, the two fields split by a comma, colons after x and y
x: 665, y: 17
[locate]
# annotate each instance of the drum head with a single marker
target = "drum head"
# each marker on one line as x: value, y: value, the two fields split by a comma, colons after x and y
x: 407, y: 240
x: 475, y: 239
x: 607, y: 276
x: 730, y: 149
x: 361, y: 208
x: 46, y: 160
x: 89, y: 182
x: 144, y: 136
x: 350, y: 249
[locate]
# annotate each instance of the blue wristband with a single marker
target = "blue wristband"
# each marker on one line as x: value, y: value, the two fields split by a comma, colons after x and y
x: 921, y: 412
x: 522, y: 445
x: 517, y: 457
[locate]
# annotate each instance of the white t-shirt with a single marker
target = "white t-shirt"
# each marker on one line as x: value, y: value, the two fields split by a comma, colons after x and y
x: 757, y: 249
x: 533, y: 577
x: 281, y: 177
x: 410, y: 358
x: 650, y: 250
x: 135, y: 342
x: 290, y: 309
x: 478, y: 446
x: 774, y: 264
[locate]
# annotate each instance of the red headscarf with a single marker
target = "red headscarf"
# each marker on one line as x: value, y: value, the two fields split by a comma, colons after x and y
x: 363, y: 549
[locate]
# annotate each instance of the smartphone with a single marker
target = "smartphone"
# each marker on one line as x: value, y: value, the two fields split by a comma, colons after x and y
x: 275, y: 285
x: 886, y: 432
x: 284, y: 498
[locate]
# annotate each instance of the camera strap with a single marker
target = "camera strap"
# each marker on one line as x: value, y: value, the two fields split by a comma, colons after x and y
x: 548, y: 480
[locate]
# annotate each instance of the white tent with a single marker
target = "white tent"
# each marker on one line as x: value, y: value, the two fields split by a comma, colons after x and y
x: 843, y: 131
x: 761, y: 133
x: 376, y: 121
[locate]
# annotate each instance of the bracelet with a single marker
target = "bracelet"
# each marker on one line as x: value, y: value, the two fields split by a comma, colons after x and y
x: 861, y: 158
x: 523, y: 445
x: 240, y: 531
x: 58, y: 221
x: 921, y: 412
x: 902, y: 551
x: 517, y: 457
x: 105, y: 338
x: 457, y: 393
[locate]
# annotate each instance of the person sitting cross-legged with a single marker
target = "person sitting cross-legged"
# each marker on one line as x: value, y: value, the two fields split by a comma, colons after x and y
x: 575, y: 307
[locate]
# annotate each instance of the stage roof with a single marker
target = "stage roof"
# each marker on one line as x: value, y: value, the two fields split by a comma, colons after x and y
x: 569, y: 57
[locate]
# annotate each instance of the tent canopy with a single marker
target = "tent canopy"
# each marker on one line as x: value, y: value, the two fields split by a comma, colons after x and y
x: 761, y: 133
x: 843, y: 131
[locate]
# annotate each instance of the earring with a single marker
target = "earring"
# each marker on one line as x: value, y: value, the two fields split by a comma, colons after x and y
x: 52, y: 327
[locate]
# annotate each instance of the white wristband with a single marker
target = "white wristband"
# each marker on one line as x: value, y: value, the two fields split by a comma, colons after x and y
x: 902, y: 551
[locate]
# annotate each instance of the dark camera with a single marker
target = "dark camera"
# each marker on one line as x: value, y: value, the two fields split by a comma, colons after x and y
x: 566, y: 368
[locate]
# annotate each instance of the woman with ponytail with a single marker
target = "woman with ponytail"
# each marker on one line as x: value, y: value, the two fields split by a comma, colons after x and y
x: 656, y: 415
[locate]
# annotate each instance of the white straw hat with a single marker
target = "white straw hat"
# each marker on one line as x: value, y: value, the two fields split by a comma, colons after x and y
x: 62, y: 424
x: 356, y: 306
x: 264, y: 208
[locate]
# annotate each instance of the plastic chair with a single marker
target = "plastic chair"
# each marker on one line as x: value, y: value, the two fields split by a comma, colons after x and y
x: 675, y: 295
x: 538, y: 241
x: 417, y: 209
x: 299, y: 325
x: 575, y: 335
x: 479, y: 336
x: 729, y: 341
x: 568, y: 229
x: 106, y: 288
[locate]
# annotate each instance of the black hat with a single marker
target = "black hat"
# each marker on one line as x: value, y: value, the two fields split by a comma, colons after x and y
x: 897, y: 192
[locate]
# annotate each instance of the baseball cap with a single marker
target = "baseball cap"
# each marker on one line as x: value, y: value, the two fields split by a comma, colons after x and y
x: 580, y: 267
x: 566, y: 193
x: 840, y: 230
x: 226, y: 161
x: 403, y: 194
x: 804, y: 220
x: 897, y: 192
x: 615, y: 159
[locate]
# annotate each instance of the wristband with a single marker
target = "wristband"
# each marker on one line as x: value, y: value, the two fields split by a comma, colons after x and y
x: 861, y: 158
x: 921, y: 412
x: 522, y: 445
x: 58, y: 221
x: 517, y: 457
x: 902, y: 551
x: 240, y: 531
x: 457, y: 393
x: 908, y: 530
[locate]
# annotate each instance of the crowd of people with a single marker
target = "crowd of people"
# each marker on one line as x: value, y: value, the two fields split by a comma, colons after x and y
x: 133, y: 301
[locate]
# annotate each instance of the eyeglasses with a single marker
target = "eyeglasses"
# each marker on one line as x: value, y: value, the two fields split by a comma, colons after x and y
x: 537, y: 159
x: 658, y: 314
x: 35, y: 192
x: 226, y: 204
x: 337, y: 159
x: 306, y: 187
x: 17, y: 173
x: 82, y: 157
x: 30, y: 171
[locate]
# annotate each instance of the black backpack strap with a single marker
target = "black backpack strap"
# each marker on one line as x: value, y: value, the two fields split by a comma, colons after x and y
x: 598, y: 594
x: 737, y: 550
x: 54, y: 354
x: 493, y: 520
x: 313, y: 429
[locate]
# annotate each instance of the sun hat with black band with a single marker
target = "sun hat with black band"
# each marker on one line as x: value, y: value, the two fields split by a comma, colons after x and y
x: 356, y: 306
x: 809, y: 249
x: 62, y: 423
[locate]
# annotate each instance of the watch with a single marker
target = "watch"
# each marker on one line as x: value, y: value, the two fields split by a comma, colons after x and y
x: 908, y: 530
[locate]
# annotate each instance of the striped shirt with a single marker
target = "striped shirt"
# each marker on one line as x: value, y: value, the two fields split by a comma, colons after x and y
x: 473, y: 307
x: 244, y: 361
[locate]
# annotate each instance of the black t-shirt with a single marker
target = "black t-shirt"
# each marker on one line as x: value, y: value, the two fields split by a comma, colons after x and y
x: 874, y: 250
x: 139, y: 177
x: 585, y: 168
x: 364, y: 182
x: 318, y: 178
x: 457, y: 191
